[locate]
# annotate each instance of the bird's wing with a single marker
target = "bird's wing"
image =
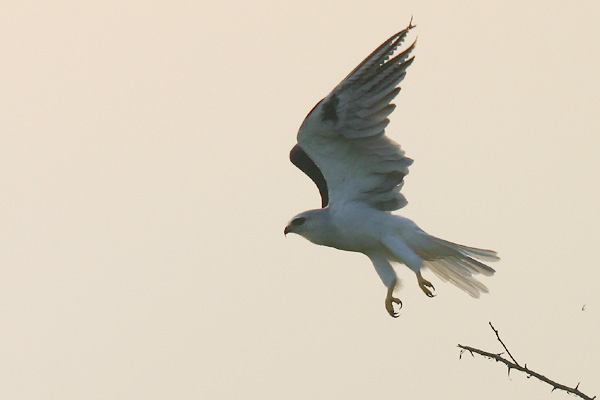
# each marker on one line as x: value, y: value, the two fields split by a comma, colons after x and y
x: 342, y: 144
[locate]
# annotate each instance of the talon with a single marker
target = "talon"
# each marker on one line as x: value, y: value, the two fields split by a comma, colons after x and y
x: 424, y: 284
x: 389, y: 306
x: 427, y: 292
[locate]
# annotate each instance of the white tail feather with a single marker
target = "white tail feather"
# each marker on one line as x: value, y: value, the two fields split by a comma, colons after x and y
x: 451, y: 262
x: 457, y: 264
x: 480, y: 254
x: 459, y: 272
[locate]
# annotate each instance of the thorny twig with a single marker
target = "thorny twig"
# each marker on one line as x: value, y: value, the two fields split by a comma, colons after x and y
x: 515, y: 365
x: 503, y: 345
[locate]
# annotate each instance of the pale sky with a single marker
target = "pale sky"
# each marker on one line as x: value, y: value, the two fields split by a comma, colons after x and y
x: 146, y: 185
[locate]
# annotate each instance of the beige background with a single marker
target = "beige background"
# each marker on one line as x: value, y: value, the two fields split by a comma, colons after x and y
x: 145, y: 188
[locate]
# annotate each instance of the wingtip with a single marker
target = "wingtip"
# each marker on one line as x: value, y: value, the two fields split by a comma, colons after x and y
x: 399, y: 36
x: 410, y: 23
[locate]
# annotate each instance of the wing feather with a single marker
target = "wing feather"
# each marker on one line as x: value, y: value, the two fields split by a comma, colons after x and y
x: 344, y: 135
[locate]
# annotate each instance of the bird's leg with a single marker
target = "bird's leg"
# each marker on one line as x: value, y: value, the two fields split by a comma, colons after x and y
x: 390, y: 300
x: 424, y: 284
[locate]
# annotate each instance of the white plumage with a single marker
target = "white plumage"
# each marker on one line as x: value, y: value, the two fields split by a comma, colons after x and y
x: 359, y: 171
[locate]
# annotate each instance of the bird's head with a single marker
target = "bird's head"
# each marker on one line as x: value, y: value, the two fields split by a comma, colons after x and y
x: 298, y: 224
x: 309, y: 224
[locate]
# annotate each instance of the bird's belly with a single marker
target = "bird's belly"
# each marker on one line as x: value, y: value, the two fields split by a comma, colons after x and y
x: 355, y: 243
x: 357, y: 230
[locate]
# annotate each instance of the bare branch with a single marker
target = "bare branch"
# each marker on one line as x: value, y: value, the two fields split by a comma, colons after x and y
x: 515, y: 365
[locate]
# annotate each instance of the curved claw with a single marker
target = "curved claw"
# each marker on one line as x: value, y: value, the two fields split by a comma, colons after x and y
x: 389, y: 306
x: 424, y: 284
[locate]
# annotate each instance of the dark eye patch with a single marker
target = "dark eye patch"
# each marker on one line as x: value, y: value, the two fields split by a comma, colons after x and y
x: 299, y: 221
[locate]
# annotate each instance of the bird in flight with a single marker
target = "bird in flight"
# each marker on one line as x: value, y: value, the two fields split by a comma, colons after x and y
x: 359, y: 172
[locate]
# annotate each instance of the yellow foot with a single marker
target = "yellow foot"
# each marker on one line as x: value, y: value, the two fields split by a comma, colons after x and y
x: 389, y: 305
x: 424, y: 284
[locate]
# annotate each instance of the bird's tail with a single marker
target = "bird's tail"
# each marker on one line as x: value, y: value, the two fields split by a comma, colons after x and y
x: 457, y: 264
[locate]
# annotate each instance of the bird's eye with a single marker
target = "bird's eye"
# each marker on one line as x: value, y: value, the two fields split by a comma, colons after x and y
x: 299, y: 221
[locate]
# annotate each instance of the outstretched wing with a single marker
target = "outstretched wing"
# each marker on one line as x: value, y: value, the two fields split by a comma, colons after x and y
x: 342, y: 145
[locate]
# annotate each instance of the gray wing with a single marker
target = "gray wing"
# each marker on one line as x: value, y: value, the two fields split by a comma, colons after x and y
x: 344, y: 135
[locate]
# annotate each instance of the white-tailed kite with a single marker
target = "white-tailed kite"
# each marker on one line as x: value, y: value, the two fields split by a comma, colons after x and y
x: 359, y: 172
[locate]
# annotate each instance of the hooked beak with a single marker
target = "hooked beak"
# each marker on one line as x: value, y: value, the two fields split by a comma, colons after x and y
x: 287, y: 230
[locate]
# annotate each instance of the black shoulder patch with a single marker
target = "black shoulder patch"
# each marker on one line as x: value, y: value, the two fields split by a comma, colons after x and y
x: 329, y: 112
x: 300, y: 159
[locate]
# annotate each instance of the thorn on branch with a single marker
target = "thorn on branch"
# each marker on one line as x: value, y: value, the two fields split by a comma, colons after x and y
x: 515, y: 365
